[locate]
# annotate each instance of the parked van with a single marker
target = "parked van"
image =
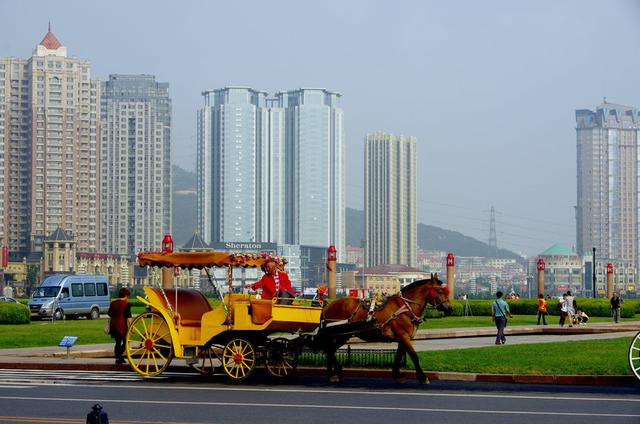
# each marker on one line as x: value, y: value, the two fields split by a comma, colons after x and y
x: 71, y: 296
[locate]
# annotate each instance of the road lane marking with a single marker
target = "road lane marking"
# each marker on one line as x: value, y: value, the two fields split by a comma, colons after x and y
x: 81, y: 421
x: 358, y: 392
x: 322, y: 406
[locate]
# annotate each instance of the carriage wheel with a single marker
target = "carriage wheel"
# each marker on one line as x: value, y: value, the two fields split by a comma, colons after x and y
x: 205, y: 364
x: 148, y: 344
x: 238, y: 359
x: 634, y: 356
x: 281, y: 359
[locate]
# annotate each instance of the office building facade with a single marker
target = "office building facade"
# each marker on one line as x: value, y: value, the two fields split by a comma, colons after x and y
x: 607, y: 193
x: 49, y: 127
x: 135, y: 157
x: 391, y: 232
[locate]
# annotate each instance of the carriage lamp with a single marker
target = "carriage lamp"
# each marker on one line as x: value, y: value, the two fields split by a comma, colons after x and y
x: 167, y: 244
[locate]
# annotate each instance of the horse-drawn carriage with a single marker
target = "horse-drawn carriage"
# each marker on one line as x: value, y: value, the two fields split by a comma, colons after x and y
x: 244, y: 331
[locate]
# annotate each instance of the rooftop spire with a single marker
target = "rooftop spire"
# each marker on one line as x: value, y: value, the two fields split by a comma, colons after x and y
x: 50, y: 41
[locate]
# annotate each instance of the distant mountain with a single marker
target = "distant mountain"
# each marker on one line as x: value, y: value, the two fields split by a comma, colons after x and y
x: 184, y: 204
x: 431, y: 238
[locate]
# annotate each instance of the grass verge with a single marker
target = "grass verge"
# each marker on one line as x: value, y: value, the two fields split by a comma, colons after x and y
x: 48, y: 333
x: 585, y: 357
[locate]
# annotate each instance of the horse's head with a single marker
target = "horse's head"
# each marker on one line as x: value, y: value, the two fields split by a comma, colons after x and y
x: 432, y: 292
x: 438, y: 295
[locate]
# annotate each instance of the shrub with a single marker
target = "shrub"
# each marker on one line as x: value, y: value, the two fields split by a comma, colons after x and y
x: 14, y: 313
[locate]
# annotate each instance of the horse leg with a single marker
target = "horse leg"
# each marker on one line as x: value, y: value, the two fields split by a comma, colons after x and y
x: 400, y: 351
x: 332, y: 362
x: 420, y: 375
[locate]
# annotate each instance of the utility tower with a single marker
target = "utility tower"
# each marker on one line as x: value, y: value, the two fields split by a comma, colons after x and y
x: 492, y: 229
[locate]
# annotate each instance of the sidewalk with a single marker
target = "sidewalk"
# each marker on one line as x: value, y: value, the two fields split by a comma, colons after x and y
x: 100, y: 357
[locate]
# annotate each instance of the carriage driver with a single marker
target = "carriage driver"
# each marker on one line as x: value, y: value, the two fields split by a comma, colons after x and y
x: 274, y: 282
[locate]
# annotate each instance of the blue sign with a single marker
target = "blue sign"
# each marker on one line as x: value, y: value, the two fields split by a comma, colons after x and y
x: 67, y: 341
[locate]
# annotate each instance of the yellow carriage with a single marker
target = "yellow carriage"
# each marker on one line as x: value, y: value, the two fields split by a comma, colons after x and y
x: 239, y: 334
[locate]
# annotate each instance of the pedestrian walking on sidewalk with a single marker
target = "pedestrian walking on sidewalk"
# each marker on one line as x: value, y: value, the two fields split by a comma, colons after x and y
x: 499, y: 311
x: 542, y: 309
x: 615, y: 302
x: 120, y: 318
x: 563, y: 309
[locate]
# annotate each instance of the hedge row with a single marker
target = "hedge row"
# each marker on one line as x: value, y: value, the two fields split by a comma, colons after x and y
x: 14, y: 313
x: 592, y: 307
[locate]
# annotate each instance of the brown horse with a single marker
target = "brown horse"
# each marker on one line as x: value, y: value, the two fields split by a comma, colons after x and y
x: 396, y: 321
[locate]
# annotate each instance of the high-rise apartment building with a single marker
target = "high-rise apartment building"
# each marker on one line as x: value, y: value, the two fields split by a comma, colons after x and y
x: 135, y: 162
x: 608, y: 162
x: 233, y: 165
x: 390, y: 202
x: 271, y: 169
x: 315, y: 168
x: 49, y: 126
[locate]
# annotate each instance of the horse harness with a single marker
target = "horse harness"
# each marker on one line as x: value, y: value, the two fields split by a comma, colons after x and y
x: 405, y: 308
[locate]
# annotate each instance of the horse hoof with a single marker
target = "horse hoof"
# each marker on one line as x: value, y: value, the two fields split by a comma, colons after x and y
x: 400, y: 380
x: 334, y: 379
x: 424, y: 380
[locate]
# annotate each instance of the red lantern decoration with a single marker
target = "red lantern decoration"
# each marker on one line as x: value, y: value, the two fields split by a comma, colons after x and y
x: 167, y: 244
x: 331, y: 253
x: 450, y: 259
x: 609, y: 268
x: 540, y: 264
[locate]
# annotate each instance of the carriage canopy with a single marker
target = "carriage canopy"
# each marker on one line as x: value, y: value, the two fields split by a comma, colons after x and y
x: 200, y: 260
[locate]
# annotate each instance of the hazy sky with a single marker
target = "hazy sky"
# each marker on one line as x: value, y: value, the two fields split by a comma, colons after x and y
x: 489, y: 88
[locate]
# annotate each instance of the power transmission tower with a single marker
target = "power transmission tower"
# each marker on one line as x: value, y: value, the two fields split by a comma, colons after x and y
x: 492, y: 229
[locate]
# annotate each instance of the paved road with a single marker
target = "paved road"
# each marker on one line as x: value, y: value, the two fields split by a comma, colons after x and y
x: 36, y: 397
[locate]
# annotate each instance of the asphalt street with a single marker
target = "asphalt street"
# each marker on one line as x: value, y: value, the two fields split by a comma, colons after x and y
x: 66, y: 397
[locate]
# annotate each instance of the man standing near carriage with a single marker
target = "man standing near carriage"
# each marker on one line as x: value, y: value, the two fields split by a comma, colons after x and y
x: 274, y: 283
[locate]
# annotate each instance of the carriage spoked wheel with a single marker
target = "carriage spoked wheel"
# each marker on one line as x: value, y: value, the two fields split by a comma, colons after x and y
x: 281, y: 357
x: 148, y: 344
x: 238, y: 359
x: 634, y: 356
x: 206, y: 358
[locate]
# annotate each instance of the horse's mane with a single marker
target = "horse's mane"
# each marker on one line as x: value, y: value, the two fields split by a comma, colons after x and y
x: 419, y: 283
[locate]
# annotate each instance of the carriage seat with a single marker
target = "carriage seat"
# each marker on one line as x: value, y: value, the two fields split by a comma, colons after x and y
x: 260, y: 311
x: 191, y: 305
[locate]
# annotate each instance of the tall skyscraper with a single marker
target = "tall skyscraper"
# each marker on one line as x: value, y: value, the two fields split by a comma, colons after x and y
x: 608, y: 162
x: 135, y: 162
x: 390, y: 202
x: 233, y: 165
x: 271, y: 169
x: 315, y: 168
x: 49, y: 126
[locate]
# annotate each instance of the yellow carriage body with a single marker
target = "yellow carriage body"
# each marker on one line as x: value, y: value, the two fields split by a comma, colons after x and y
x: 193, y: 325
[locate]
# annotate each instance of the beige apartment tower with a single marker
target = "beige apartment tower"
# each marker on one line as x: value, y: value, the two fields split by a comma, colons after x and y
x: 391, y: 232
x: 49, y: 124
x: 607, y: 191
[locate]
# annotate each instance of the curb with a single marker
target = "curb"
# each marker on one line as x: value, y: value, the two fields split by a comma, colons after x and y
x: 588, y: 380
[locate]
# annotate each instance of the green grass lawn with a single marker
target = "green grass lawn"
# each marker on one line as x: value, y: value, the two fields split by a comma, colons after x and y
x: 485, y: 321
x: 588, y: 357
x: 48, y: 333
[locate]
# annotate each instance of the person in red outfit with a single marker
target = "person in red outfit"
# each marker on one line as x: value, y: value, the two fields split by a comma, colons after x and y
x: 273, y: 283
x: 120, y: 313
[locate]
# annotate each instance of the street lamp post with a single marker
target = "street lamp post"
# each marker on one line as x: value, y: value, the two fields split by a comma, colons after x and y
x: 593, y: 272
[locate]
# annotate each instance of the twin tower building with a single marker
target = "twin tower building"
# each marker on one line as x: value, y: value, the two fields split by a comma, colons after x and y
x: 271, y: 169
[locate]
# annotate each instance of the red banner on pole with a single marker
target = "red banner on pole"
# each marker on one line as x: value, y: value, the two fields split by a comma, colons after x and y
x: 5, y: 257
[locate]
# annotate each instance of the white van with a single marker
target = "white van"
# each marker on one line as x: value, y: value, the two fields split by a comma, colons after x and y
x: 71, y: 296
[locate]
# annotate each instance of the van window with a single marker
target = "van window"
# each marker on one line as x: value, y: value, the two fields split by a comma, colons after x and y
x: 101, y: 289
x: 89, y: 289
x: 76, y: 289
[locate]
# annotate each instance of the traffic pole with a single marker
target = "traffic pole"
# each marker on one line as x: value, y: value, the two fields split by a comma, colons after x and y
x: 331, y: 267
x: 609, y: 280
x: 451, y: 275
x: 541, y: 267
